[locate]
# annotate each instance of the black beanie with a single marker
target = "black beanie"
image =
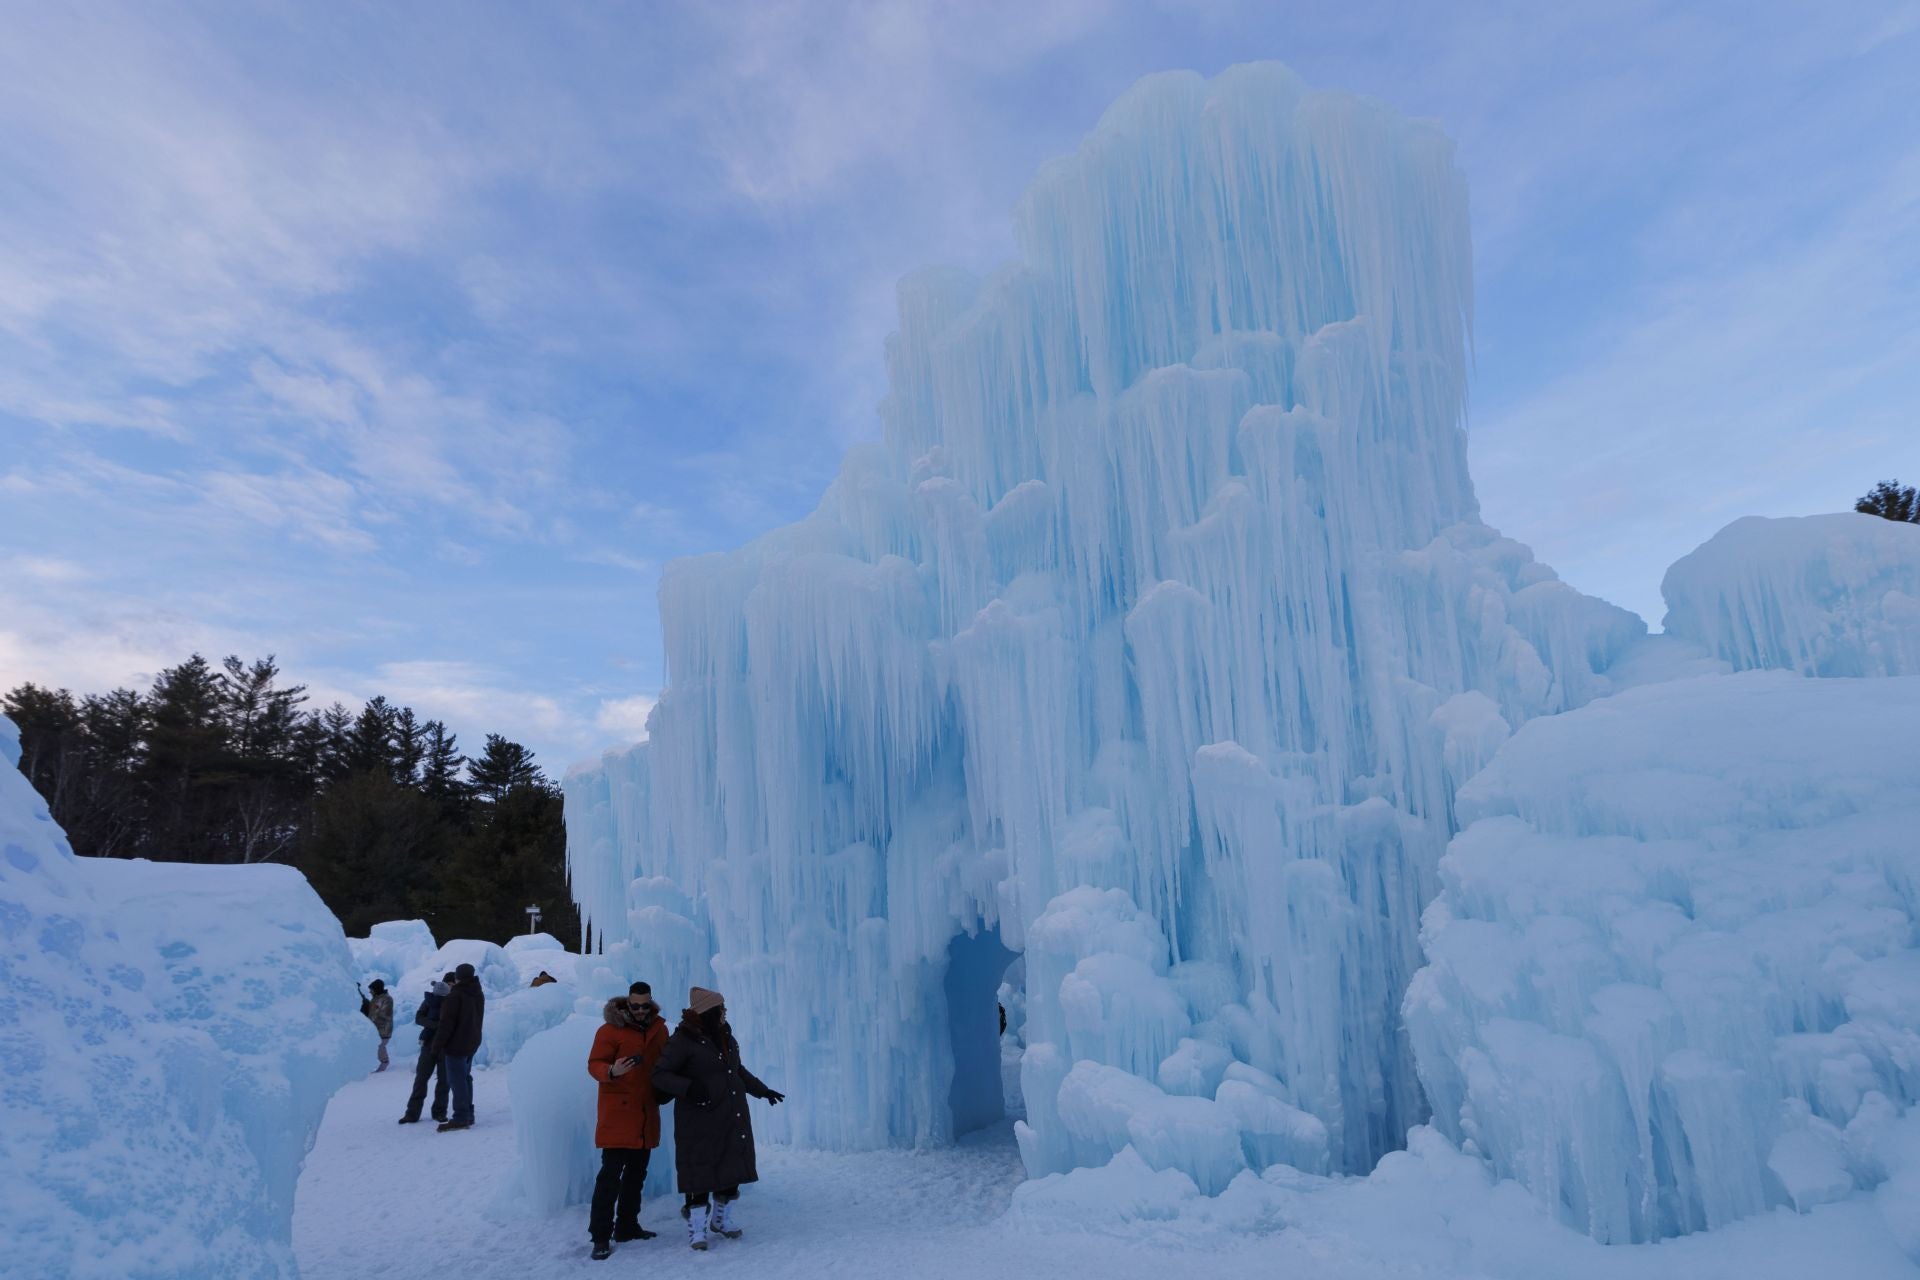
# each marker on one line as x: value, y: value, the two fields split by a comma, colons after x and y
x: 376, y: 986
x: 464, y: 971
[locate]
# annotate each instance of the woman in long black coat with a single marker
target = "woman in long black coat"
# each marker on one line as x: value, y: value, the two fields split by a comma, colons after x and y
x: 712, y: 1133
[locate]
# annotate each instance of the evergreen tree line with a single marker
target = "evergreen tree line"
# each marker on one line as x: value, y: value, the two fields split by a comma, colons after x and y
x: 380, y: 810
x: 1891, y: 500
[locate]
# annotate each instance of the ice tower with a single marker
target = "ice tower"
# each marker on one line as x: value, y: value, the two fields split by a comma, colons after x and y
x: 1149, y: 645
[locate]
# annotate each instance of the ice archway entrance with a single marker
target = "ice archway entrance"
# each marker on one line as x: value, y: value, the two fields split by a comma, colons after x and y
x: 978, y: 966
x: 1156, y: 634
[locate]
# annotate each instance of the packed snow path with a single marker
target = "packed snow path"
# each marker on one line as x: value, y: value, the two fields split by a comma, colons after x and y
x: 381, y: 1200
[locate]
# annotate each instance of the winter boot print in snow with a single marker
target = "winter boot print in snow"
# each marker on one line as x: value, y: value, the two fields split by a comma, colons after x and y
x: 697, y: 1226
x: 724, y: 1220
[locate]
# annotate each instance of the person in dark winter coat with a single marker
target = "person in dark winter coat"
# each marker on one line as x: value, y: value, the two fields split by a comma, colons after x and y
x: 624, y: 1052
x: 379, y: 1008
x: 712, y: 1133
x: 431, y: 1066
x: 457, y: 1039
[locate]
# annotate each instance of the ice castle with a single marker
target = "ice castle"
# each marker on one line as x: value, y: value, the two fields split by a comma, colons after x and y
x: 1131, y: 681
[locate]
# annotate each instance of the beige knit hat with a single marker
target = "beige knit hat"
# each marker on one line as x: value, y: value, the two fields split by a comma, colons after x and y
x: 700, y: 999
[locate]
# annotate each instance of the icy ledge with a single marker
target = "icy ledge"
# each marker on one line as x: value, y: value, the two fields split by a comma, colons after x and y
x: 1832, y: 595
x: 1672, y: 973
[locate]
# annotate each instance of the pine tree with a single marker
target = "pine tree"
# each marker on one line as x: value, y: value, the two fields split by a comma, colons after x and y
x: 409, y: 747
x: 186, y: 749
x: 335, y: 729
x: 375, y: 851
x: 501, y: 767
x: 261, y: 718
x: 264, y: 784
x: 1891, y: 501
x: 111, y: 815
x: 440, y: 767
x: 516, y: 854
x: 369, y: 745
x: 52, y: 742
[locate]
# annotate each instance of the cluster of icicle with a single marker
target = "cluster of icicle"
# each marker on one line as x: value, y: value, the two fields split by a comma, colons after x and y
x: 1156, y: 634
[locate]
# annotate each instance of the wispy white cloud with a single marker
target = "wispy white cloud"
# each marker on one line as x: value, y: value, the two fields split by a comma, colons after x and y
x: 315, y: 507
x: 476, y: 698
x: 353, y: 335
x: 625, y: 718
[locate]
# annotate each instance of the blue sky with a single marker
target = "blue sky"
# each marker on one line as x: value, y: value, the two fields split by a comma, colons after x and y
x: 408, y: 341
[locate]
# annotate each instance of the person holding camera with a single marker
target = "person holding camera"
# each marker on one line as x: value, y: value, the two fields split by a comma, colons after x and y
x: 378, y: 1008
x: 627, y: 1129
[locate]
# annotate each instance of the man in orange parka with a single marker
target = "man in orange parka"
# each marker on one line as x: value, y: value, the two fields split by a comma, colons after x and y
x: 628, y: 1129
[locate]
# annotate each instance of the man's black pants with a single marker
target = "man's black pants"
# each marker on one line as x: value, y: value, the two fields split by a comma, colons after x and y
x: 616, y: 1192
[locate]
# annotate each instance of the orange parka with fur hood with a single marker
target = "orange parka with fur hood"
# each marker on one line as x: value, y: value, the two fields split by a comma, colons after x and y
x: 629, y: 1115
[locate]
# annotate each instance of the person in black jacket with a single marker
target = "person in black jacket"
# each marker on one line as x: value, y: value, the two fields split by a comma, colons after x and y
x: 431, y: 1066
x: 712, y: 1133
x: 457, y: 1039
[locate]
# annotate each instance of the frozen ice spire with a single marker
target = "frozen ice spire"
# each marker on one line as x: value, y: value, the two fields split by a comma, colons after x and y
x: 1155, y: 636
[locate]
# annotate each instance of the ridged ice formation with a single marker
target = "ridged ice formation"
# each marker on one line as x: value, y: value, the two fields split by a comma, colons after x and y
x: 1831, y: 595
x: 1673, y: 976
x: 169, y: 1036
x: 1156, y: 635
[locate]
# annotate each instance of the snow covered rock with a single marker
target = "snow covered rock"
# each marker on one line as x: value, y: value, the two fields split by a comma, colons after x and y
x: 1151, y: 642
x: 1832, y: 595
x: 169, y: 1036
x: 1672, y: 976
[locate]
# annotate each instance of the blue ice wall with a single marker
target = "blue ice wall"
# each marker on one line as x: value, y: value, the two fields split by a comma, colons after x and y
x: 1156, y: 633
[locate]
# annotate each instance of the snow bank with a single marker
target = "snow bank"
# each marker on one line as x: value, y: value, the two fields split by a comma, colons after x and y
x: 1833, y: 595
x: 169, y: 1036
x: 1435, y: 1211
x: 1672, y: 976
x: 1166, y: 585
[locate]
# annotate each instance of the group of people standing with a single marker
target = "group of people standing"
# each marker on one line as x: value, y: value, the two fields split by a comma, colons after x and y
x: 636, y: 1063
x: 450, y: 1018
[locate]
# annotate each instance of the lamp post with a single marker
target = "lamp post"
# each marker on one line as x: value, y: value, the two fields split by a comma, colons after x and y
x: 533, y: 919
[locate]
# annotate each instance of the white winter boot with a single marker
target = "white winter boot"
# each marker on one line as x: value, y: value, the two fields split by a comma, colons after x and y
x: 723, y: 1219
x: 697, y: 1226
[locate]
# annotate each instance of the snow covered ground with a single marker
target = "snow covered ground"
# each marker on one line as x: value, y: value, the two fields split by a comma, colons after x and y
x: 379, y: 1200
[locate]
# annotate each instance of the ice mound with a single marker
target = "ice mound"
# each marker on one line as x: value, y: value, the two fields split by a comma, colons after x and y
x: 1832, y: 595
x: 1151, y: 642
x: 1673, y: 978
x: 392, y: 950
x: 536, y: 953
x: 404, y: 953
x: 169, y: 1036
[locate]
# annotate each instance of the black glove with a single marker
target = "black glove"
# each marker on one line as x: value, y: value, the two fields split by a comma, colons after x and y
x: 697, y: 1094
x: 775, y: 1097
